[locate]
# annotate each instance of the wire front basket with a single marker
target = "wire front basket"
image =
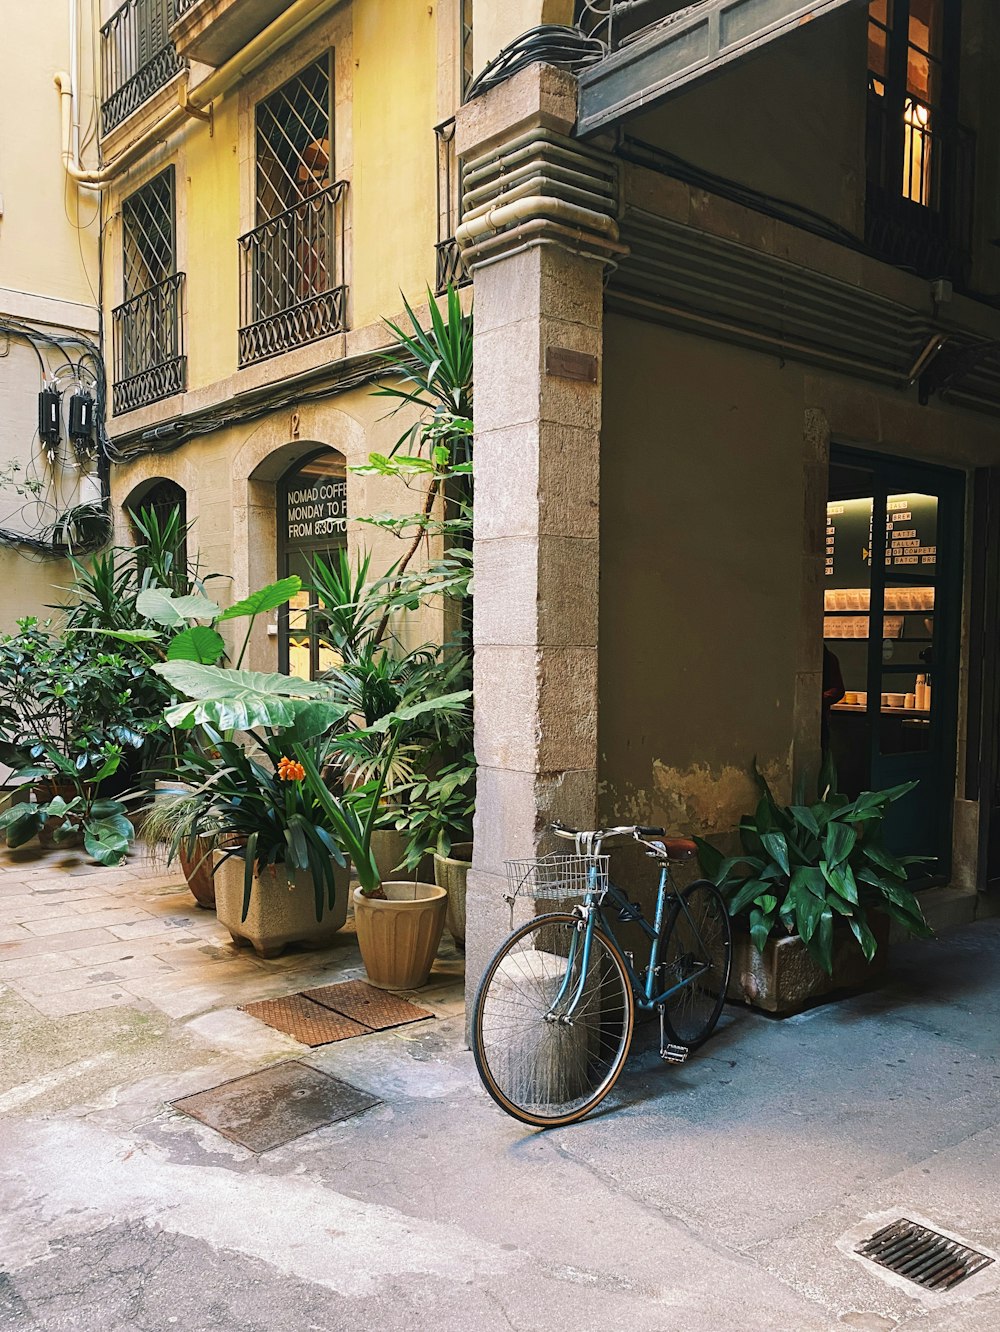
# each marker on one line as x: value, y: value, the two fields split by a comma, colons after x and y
x: 557, y: 878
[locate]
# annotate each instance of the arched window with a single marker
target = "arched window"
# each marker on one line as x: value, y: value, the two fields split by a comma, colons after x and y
x: 157, y: 514
x: 312, y: 522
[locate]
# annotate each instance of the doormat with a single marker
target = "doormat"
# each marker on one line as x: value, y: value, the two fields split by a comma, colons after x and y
x: 335, y: 1012
x: 277, y: 1105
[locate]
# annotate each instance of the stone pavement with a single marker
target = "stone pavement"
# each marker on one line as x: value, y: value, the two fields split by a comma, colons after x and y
x: 726, y: 1195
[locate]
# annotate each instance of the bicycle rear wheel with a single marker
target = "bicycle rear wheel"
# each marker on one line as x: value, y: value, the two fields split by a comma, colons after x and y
x: 550, y: 1035
x: 697, y: 943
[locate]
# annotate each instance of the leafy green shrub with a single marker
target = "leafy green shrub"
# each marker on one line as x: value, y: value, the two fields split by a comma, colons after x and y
x: 803, y: 866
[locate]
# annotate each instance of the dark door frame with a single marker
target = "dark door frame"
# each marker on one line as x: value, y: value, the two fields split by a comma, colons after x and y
x: 893, y: 474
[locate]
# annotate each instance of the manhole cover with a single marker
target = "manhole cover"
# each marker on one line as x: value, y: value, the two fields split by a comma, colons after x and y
x: 367, y: 1004
x: 267, y: 1109
x: 921, y: 1255
x: 310, y: 1023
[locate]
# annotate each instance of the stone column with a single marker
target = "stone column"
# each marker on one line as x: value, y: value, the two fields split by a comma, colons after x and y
x: 538, y: 230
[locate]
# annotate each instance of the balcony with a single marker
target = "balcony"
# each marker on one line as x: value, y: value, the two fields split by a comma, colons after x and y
x: 655, y: 47
x: 213, y: 30
x: 149, y: 358
x: 449, y: 268
x: 920, y: 190
x: 137, y: 58
x: 292, y: 271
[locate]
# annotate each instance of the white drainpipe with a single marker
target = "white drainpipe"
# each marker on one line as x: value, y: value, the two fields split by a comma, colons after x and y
x: 295, y: 19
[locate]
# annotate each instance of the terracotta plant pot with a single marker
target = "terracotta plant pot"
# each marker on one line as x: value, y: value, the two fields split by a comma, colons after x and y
x: 198, y: 872
x: 399, y: 937
x: 451, y: 873
x: 784, y: 979
x: 280, y: 914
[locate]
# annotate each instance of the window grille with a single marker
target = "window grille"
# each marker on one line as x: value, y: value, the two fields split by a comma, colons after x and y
x: 137, y: 57
x: 292, y: 288
x: 148, y: 334
x: 466, y: 46
x: 449, y: 267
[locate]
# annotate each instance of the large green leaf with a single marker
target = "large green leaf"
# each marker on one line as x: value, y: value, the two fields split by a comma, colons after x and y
x: 239, y: 700
x: 160, y: 606
x: 20, y: 823
x: 198, y: 643
x: 864, y: 937
x: 442, y: 703
x: 105, y: 841
x: 746, y: 896
x: 268, y: 598
x: 878, y: 856
x: 839, y: 841
x: 777, y: 848
x: 841, y: 880
x: 822, y: 942
x: 803, y: 814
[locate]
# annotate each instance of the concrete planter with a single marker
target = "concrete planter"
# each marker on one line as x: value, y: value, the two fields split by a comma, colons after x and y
x: 280, y: 914
x: 784, y: 978
x: 451, y: 873
x: 399, y: 936
x: 389, y: 850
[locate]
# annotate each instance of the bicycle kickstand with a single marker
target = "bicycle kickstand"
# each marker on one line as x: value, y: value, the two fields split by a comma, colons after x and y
x: 670, y: 1053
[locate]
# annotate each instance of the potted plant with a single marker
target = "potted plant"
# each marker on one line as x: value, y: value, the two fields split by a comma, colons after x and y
x: 815, y: 888
x: 67, y: 808
x: 438, y: 818
x: 399, y: 924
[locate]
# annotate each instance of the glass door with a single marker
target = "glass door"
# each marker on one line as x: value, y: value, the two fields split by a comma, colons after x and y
x: 895, y: 530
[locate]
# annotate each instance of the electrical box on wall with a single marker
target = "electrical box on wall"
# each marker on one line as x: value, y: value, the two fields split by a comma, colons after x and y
x: 48, y: 418
x: 81, y: 418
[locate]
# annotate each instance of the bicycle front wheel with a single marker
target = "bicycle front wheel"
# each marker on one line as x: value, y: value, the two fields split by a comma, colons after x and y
x: 552, y: 1021
x: 697, y: 955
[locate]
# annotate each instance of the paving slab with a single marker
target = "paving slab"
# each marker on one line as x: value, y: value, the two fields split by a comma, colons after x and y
x: 721, y: 1196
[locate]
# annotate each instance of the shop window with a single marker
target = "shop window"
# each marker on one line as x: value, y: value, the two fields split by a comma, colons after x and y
x: 312, y: 524
x: 919, y: 158
x: 149, y: 355
x: 292, y: 264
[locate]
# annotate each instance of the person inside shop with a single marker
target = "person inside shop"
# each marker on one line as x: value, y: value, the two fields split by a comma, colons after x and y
x: 833, y: 692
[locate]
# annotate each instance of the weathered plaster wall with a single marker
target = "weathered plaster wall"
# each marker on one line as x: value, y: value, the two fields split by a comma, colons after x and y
x: 789, y: 121
x: 701, y: 553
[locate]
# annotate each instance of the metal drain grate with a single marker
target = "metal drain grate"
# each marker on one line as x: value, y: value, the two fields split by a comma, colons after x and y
x: 931, y: 1260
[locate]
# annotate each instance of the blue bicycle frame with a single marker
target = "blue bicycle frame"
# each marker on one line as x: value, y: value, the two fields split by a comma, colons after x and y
x: 593, y: 911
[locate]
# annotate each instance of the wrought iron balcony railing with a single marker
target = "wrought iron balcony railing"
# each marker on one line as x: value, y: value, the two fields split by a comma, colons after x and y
x: 182, y: 6
x: 450, y: 267
x: 137, y: 57
x: 920, y: 189
x: 149, y: 358
x: 292, y: 271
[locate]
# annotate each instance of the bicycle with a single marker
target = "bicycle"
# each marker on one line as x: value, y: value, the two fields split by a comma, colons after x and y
x: 555, y: 1010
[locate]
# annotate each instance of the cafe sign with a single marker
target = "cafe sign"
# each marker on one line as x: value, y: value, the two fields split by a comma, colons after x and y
x: 315, y: 510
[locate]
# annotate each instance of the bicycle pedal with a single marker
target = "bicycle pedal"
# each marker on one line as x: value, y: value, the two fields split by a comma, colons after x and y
x: 674, y: 1054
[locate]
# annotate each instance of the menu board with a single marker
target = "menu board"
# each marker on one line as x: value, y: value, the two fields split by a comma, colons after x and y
x: 910, y: 538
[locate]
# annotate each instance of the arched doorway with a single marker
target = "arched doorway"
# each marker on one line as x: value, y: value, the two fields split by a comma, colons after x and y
x: 312, y: 523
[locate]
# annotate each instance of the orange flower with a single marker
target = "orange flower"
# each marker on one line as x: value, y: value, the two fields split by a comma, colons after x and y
x: 290, y: 771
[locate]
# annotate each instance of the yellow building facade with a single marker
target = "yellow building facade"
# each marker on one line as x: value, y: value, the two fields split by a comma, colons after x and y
x: 49, y: 238
x: 275, y: 178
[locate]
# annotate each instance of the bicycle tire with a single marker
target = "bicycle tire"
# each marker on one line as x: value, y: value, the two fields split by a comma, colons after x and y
x: 546, y: 1073
x: 690, y: 1015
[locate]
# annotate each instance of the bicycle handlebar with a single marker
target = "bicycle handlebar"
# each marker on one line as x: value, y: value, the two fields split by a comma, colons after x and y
x: 601, y: 834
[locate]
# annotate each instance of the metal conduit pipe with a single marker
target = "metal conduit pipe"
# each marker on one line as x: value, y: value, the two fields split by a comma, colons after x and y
x: 554, y: 189
x: 539, y: 167
x: 491, y: 220
x: 287, y: 26
x: 535, y: 233
x: 527, y: 144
